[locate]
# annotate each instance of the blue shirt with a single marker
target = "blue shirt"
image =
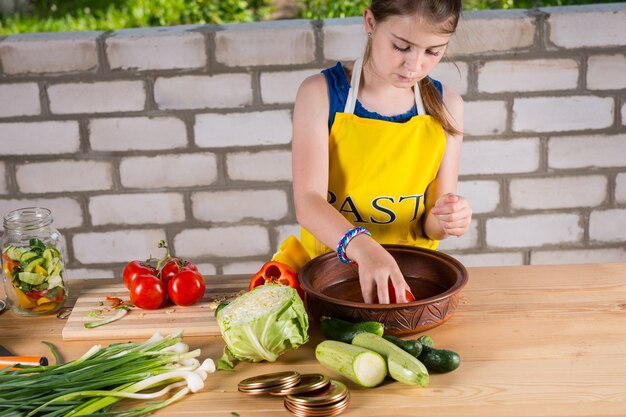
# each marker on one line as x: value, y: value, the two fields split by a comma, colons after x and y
x: 338, y: 88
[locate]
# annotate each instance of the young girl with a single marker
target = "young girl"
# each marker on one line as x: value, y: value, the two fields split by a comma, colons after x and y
x: 375, y: 159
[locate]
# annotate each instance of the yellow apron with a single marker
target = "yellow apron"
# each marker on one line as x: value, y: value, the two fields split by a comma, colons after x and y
x: 379, y: 171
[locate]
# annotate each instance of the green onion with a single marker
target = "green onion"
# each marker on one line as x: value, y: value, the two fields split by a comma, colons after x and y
x: 99, y: 382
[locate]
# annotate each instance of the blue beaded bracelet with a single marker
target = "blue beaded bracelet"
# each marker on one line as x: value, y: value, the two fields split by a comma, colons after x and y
x: 343, y: 243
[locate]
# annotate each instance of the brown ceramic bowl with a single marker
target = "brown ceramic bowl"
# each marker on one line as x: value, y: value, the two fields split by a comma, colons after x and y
x: 436, y: 279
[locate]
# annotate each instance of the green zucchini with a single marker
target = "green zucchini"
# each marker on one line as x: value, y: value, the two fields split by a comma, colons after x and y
x: 439, y: 360
x: 402, y: 366
x: 358, y: 364
x: 414, y: 347
x: 344, y: 331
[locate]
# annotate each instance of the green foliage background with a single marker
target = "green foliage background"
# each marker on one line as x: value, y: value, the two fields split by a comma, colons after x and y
x: 70, y: 15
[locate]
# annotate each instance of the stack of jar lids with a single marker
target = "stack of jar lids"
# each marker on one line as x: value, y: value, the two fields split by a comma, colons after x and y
x: 305, y: 395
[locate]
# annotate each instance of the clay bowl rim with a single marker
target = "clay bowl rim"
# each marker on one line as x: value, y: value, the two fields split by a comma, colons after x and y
x: 462, y: 278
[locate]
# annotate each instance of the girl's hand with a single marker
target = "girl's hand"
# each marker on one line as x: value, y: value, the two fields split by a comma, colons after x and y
x: 376, y: 268
x: 453, y: 213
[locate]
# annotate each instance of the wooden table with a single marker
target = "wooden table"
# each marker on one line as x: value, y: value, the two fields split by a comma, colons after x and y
x: 535, y: 341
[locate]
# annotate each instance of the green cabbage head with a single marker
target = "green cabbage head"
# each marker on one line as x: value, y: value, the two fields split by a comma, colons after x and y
x: 262, y: 324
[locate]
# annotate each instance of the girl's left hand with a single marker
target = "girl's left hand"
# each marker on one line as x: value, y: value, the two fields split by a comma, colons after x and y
x: 453, y: 213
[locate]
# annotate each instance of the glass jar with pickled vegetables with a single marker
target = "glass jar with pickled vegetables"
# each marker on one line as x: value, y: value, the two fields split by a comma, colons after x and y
x: 33, y: 262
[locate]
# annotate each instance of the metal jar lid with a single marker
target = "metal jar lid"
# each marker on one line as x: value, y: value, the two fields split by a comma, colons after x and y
x: 266, y: 383
x: 275, y: 379
x: 334, y: 392
x: 308, y: 383
x: 332, y: 409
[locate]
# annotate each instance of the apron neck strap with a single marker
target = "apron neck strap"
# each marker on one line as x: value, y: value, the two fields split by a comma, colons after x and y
x: 354, y: 90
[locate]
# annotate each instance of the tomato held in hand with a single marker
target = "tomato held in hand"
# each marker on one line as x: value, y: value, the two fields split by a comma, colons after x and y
x: 392, y: 295
x: 147, y: 292
x: 173, y: 267
x: 186, y: 287
x: 135, y: 268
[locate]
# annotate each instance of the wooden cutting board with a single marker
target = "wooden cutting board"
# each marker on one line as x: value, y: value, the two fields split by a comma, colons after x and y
x: 195, y: 320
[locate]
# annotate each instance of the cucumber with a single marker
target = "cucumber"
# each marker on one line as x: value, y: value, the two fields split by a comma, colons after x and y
x: 344, y: 331
x: 403, y: 367
x: 14, y: 253
x: 31, y: 278
x: 32, y: 263
x: 414, y: 347
x: 358, y: 364
x: 439, y: 360
x: 26, y: 256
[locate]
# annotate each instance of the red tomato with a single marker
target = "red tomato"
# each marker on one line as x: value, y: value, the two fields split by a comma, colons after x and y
x: 186, y: 288
x: 147, y: 292
x: 392, y: 295
x: 173, y: 267
x: 135, y: 268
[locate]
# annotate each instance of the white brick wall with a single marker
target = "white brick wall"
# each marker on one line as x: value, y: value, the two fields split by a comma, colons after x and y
x: 243, y: 129
x: 533, y: 230
x: 559, y: 114
x: 344, y: 40
x: 39, y: 138
x: 620, y: 188
x: 66, y: 212
x: 118, y: 246
x: 453, y: 75
x: 493, y: 31
x: 283, y: 231
x: 282, y: 86
x: 510, y: 156
x: 491, y: 259
x: 601, y: 151
x: 607, y: 225
x: 528, y: 75
x: 49, y: 52
x: 485, y: 117
x: 242, y: 268
x: 199, y: 92
x: 558, y: 192
x: 19, y: 100
x: 582, y: 256
x: 184, y: 132
x: 64, y: 176
x: 281, y: 43
x: 89, y: 273
x: 236, y: 241
x: 98, y: 97
x: 234, y: 206
x: 587, y: 26
x: 259, y: 166
x: 137, y: 209
x: 606, y: 72
x: 186, y: 170
x: 156, y: 49
x: 3, y: 179
x: 468, y: 240
x: 206, y: 269
x: 483, y: 196
x: 137, y: 133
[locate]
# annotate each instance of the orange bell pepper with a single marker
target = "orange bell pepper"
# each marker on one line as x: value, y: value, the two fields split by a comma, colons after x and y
x: 273, y: 272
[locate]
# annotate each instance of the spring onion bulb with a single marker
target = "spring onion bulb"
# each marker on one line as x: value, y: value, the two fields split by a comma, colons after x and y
x: 160, y: 371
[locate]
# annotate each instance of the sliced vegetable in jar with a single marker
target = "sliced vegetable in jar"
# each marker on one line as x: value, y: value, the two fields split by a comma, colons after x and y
x: 36, y: 273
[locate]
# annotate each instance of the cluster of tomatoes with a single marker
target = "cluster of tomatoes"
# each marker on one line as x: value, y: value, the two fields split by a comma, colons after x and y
x: 150, y: 286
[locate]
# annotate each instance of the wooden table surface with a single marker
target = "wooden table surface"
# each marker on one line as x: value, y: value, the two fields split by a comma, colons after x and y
x: 534, y: 341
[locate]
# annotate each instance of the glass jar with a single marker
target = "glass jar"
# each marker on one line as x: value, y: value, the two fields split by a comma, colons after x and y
x: 33, y: 262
